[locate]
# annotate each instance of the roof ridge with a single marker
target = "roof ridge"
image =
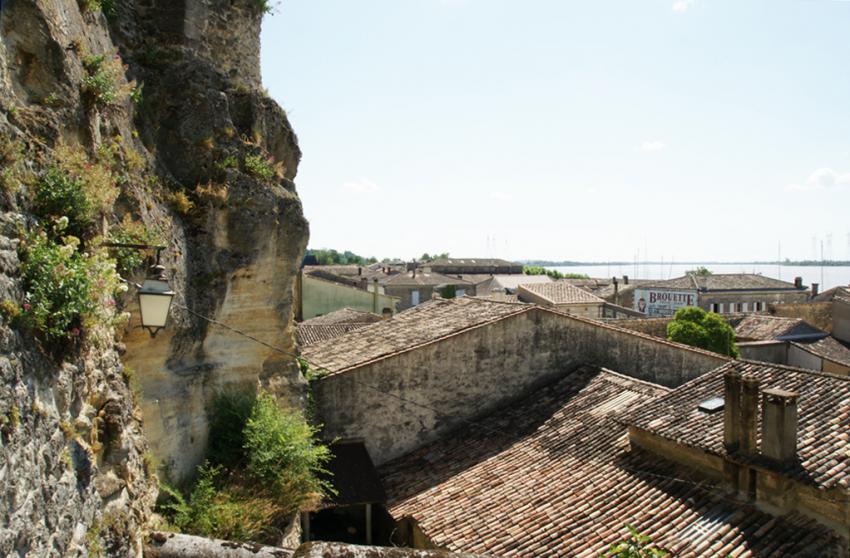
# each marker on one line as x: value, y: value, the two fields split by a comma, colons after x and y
x: 809, y: 371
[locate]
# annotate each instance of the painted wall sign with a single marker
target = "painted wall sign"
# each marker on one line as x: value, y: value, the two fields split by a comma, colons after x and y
x: 660, y: 303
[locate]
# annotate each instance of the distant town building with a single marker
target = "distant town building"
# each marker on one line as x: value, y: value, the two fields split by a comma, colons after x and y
x: 562, y: 296
x: 466, y: 266
x: 318, y: 293
x: 721, y: 293
x: 417, y: 286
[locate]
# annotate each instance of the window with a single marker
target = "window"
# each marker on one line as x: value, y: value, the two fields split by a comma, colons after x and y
x: 715, y: 307
x: 460, y: 292
x: 739, y: 307
x: 414, y: 298
x: 757, y: 306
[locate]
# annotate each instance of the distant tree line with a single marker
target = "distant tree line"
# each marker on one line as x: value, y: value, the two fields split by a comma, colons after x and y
x: 326, y: 256
x: 426, y: 257
x: 553, y: 273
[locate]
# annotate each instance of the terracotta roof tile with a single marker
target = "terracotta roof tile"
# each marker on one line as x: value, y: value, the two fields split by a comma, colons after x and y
x: 823, y: 411
x: 561, y: 292
x: 307, y: 334
x: 724, y: 282
x: 429, y: 321
x: 344, y: 316
x: 553, y: 476
x: 759, y: 327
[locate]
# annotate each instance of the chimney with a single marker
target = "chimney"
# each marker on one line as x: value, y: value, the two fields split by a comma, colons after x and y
x: 625, y: 279
x: 798, y: 282
x: 815, y: 289
x: 616, y: 287
x: 779, y: 424
x: 731, y: 409
x: 359, y: 270
x: 386, y: 313
x: 375, y: 296
x: 749, y: 415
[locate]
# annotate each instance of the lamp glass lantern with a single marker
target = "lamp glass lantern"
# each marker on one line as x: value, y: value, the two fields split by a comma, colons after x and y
x: 155, y: 296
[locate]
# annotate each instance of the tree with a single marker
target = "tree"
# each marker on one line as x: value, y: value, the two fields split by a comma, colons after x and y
x: 695, y: 327
x: 700, y: 271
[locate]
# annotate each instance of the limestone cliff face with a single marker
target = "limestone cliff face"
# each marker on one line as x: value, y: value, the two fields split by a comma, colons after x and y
x: 203, y: 132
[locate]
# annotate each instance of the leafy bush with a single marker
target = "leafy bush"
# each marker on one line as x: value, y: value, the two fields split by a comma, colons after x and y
x: 699, y: 271
x: 59, y: 195
x: 57, y: 285
x: 259, y: 167
x: 103, y: 84
x: 694, y: 326
x: 282, y: 453
x: 637, y: 545
x: 129, y: 231
x: 263, y: 466
x: 229, y: 162
x: 230, y: 412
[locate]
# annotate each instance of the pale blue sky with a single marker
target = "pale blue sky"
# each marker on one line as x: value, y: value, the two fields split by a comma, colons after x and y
x: 558, y: 129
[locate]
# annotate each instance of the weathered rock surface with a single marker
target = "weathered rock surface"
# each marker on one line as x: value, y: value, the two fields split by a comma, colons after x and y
x: 75, y: 470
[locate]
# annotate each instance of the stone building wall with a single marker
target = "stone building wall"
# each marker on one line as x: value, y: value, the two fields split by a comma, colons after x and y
x: 401, y: 402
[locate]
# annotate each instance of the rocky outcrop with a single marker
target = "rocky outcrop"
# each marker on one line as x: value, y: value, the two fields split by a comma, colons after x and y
x: 207, y: 160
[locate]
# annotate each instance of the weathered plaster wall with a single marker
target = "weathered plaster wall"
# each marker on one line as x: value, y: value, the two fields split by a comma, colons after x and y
x: 401, y: 402
x: 817, y: 314
x: 765, y: 351
x: 803, y: 359
x: 321, y: 297
x: 840, y: 312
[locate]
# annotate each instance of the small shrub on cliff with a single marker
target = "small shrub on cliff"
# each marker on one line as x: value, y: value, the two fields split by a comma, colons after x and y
x: 212, y: 193
x: 264, y: 466
x: 282, y: 453
x: 59, y: 195
x: 259, y: 167
x: 181, y: 203
x: 103, y: 85
x: 57, y: 288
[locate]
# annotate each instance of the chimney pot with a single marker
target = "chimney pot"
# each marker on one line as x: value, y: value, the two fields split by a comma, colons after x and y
x: 779, y: 424
x: 625, y: 279
x: 749, y: 414
x: 815, y: 289
x: 798, y: 282
x: 731, y: 409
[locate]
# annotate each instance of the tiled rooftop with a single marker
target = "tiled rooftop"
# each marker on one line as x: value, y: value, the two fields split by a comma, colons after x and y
x: 553, y: 476
x: 723, y: 282
x: 830, y: 348
x: 307, y: 334
x: 561, y: 292
x: 759, y: 327
x: 423, y: 278
x: 429, y: 321
x: 833, y: 293
x: 823, y: 431
x: 344, y: 316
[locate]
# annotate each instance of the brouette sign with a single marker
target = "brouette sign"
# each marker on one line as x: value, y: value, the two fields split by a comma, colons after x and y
x: 658, y: 303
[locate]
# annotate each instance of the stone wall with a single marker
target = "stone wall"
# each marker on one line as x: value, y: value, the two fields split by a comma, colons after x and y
x: 401, y: 402
x: 74, y: 468
x: 657, y: 327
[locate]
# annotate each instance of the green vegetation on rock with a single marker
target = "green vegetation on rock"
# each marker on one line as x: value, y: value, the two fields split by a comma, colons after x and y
x: 264, y: 465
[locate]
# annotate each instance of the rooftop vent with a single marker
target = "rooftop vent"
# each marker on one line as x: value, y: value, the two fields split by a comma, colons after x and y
x: 711, y: 405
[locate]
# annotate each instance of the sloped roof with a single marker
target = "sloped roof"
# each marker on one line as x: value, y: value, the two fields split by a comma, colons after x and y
x: 561, y: 292
x: 833, y: 293
x: 471, y: 262
x: 760, y: 327
x: 829, y: 348
x: 822, y: 431
x: 553, y: 476
x: 429, y: 321
x: 307, y: 334
x: 423, y: 278
x: 724, y: 282
x: 344, y: 316
x: 515, y: 280
x: 320, y: 549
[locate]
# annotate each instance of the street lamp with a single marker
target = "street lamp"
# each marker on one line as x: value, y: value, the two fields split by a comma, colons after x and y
x: 155, y: 294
